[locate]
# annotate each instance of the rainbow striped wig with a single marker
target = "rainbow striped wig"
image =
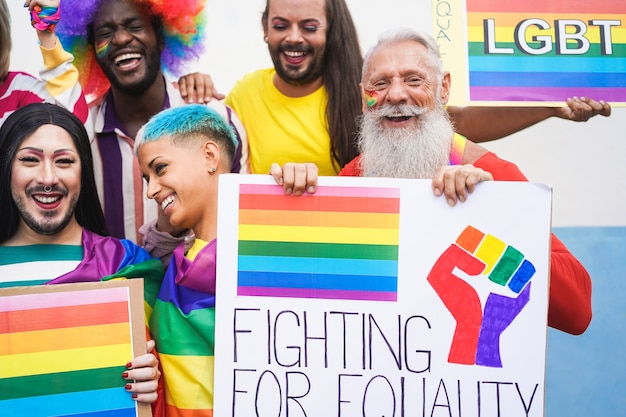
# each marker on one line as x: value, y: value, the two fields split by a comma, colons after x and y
x: 183, y: 23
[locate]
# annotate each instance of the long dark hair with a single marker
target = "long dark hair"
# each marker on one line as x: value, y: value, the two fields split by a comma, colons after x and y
x: 343, y: 63
x: 21, y: 125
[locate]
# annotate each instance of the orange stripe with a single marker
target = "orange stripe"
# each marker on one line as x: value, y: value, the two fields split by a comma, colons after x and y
x: 511, y: 20
x: 62, y: 317
x: 338, y: 204
x: 171, y: 411
x: 68, y: 338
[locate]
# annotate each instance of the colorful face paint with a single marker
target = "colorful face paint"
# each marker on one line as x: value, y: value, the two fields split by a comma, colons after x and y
x: 102, y: 48
x: 371, y: 97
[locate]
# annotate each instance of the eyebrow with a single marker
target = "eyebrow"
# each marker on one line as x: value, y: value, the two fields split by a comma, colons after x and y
x: 41, y: 151
x: 153, y: 161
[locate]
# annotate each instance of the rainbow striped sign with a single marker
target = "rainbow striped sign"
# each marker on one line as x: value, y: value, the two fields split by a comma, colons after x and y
x: 63, y: 350
x: 539, y: 50
x: 339, y: 243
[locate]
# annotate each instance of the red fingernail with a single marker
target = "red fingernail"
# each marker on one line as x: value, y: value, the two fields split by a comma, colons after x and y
x: 129, y: 365
x: 125, y: 375
x: 128, y: 387
x: 134, y: 396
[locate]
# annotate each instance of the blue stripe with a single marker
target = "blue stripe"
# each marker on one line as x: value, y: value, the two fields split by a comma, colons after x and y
x: 533, y: 64
x: 126, y: 412
x: 318, y: 281
x: 546, y: 79
x: 185, y: 298
x: 70, y: 404
x: 318, y: 265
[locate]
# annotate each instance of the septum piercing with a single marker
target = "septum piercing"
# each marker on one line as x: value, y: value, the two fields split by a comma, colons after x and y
x: 47, y: 189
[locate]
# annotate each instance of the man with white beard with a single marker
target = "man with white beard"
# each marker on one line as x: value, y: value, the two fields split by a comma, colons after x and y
x: 405, y: 133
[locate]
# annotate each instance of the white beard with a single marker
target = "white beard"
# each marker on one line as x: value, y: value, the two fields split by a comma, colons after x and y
x: 407, y: 152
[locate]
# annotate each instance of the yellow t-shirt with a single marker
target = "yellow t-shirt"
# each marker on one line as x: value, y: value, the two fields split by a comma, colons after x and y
x: 281, y: 129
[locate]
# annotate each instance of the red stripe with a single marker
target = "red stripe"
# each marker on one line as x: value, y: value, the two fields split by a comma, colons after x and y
x: 550, y: 6
x: 63, y: 317
x: 315, y: 203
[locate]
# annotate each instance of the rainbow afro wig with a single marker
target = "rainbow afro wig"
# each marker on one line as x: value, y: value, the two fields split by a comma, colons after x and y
x: 183, y: 23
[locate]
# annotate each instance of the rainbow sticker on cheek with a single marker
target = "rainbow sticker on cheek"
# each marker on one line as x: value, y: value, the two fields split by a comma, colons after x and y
x: 371, y: 97
x: 102, y: 48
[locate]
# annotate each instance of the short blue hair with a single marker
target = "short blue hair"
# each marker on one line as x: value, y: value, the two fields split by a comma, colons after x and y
x: 178, y: 124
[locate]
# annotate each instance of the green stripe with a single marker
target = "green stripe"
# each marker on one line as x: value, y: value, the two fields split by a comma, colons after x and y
x: 178, y: 334
x: 318, y: 250
x: 61, y: 383
x: 619, y: 50
x: 37, y: 253
x: 23, y: 283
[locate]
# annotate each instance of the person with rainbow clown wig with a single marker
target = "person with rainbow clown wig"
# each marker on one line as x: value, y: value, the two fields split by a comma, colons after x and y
x: 125, y: 51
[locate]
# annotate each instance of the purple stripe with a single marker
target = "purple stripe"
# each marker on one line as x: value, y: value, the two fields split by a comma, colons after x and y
x: 112, y: 178
x: 323, y: 294
x: 380, y: 192
x: 545, y: 94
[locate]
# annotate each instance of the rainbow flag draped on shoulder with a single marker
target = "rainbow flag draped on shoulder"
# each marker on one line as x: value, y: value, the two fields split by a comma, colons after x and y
x: 182, y: 324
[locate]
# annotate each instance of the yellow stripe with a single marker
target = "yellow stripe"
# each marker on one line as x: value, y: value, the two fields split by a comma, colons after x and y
x: 490, y: 251
x: 319, y: 218
x: 188, y: 380
x: 64, y: 360
x: 319, y: 234
x: 505, y: 28
x: 60, y: 339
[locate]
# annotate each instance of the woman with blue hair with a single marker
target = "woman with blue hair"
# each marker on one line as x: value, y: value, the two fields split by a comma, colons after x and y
x: 182, y: 151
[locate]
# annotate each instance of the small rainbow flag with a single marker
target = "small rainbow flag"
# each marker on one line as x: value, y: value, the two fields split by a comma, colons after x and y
x: 338, y: 243
x: 536, y: 50
x: 63, y: 353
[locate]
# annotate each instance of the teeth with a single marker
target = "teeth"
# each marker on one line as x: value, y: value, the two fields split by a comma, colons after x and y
x: 46, y: 200
x: 127, y: 56
x: 294, y: 54
x: 169, y: 200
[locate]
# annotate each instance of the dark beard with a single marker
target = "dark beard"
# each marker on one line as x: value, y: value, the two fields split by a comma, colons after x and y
x: 44, y: 227
x: 153, y: 69
x: 310, y: 74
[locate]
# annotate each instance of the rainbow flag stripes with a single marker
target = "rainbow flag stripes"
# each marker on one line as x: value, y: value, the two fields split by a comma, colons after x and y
x: 536, y: 50
x: 64, y: 355
x: 338, y: 243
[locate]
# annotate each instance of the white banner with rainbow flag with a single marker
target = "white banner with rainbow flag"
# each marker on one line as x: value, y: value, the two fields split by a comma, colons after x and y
x: 374, y: 297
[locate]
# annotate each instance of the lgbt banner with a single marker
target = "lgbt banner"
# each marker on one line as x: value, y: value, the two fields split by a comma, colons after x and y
x: 515, y: 52
x: 374, y: 297
x: 63, y: 349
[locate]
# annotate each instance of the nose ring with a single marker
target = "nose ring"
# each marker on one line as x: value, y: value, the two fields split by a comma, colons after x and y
x: 47, y: 189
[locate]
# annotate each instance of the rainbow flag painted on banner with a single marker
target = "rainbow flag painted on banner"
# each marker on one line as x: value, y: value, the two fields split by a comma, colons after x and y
x: 538, y: 50
x: 338, y: 243
x: 64, y: 355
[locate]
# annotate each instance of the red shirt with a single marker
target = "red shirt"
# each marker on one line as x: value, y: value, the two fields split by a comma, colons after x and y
x: 569, y: 307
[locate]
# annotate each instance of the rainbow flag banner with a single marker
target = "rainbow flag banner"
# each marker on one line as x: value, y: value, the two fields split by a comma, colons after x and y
x: 63, y: 349
x: 339, y: 243
x: 534, y: 50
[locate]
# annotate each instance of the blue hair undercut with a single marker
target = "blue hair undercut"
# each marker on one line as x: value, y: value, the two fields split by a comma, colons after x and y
x: 180, y: 123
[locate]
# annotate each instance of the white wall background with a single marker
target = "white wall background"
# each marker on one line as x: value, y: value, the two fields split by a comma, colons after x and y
x: 584, y: 162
